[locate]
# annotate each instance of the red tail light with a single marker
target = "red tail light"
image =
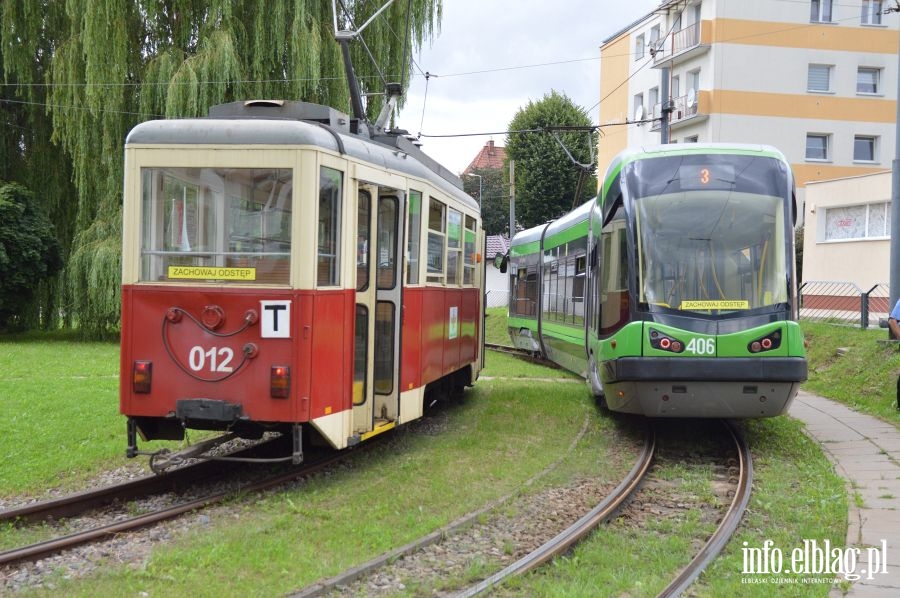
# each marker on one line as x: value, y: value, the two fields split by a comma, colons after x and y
x: 141, y: 376
x: 280, y: 382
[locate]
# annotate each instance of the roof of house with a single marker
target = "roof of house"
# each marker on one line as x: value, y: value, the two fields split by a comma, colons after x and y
x: 490, y: 156
x: 496, y: 244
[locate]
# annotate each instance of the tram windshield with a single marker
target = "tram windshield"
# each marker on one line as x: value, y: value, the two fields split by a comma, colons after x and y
x: 216, y: 224
x: 711, y: 234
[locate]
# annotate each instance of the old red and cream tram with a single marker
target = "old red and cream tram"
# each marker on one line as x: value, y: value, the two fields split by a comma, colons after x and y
x: 286, y: 268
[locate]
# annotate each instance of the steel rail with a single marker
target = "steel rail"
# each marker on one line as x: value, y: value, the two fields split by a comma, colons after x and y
x: 79, y: 502
x: 54, y: 545
x: 578, y: 530
x: 727, y: 526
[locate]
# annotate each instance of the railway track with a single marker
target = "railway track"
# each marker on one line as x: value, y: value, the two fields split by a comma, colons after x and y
x: 561, y: 542
x: 558, y: 544
x: 728, y: 524
x: 177, y: 480
x: 521, y: 353
x: 350, y: 582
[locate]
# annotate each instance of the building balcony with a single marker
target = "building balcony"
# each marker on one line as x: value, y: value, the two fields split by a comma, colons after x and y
x: 687, y: 109
x: 683, y: 45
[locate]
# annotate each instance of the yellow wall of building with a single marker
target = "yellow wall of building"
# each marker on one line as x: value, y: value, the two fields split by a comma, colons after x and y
x: 615, y: 62
x: 814, y: 106
x: 811, y: 36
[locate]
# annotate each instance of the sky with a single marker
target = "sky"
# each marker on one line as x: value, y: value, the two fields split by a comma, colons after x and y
x: 490, y: 58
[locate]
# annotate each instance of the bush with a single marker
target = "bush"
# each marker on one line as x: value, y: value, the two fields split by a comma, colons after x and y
x: 29, y: 253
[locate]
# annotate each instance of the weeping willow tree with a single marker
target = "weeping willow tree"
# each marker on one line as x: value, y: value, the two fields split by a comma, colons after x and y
x: 89, y: 70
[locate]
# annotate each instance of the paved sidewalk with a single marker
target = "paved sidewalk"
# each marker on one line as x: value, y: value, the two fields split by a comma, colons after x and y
x: 866, y: 452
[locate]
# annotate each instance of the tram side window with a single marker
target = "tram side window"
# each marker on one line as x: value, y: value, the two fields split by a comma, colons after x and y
x: 388, y: 222
x: 469, y: 252
x: 454, y: 246
x: 436, y: 235
x: 363, y: 240
x: 330, y: 192
x: 564, y: 270
x: 415, y: 234
x: 216, y: 224
x: 614, y: 297
x: 525, y: 286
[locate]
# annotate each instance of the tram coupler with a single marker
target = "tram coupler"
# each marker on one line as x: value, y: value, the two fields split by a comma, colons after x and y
x: 297, y: 434
x: 162, y: 460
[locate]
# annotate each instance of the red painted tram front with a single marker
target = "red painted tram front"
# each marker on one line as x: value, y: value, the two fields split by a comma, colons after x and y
x: 281, y: 273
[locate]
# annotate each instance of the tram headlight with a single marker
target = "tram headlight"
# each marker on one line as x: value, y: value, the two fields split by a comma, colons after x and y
x: 766, y: 343
x: 141, y: 377
x: 280, y: 382
x: 664, y: 342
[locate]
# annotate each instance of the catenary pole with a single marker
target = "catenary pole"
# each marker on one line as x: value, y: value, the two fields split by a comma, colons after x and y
x: 895, y: 193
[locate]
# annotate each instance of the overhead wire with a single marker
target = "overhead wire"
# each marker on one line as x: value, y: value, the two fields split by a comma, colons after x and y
x: 427, y: 74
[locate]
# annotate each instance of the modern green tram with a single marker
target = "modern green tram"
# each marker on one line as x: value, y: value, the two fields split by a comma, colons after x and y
x: 674, y: 292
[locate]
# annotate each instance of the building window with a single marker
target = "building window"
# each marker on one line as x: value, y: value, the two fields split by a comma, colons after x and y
x: 820, y: 11
x: 639, y: 47
x: 816, y: 146
x: 655, y: 44
x: 871, y: 12
x: 868, y: 80
x: 863, y: 148
x: 819, y: 78
x: 638, y: 106
x: 653, y: 105
x: 858, y: 222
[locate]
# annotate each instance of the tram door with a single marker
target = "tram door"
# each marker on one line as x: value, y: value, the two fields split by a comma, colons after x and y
x: 376, y: 392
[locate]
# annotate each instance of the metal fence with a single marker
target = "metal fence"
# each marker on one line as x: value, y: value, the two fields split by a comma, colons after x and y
x: 495, y: 298
x: 841, y: 302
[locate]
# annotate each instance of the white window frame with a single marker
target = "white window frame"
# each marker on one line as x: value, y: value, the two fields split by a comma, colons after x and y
x: 873, y: 139
x: 810, y: 77
x: 820, y: 9
x: 877, y: 213
x: 827, y: 139
x: 639, y: 103
x: 877, y: 76
x: 640, y: 47
x: 870, y: 13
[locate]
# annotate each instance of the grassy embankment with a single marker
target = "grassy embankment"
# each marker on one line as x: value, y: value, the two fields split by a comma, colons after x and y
x: 61, y: 425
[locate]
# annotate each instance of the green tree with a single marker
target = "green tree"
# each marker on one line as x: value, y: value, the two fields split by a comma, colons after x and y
x: 29, y: 254
x: 546, y: 179
x: 81, y: 73
x: 494, y: 198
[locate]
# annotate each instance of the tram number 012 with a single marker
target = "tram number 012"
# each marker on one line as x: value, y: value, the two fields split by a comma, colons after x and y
x: 215, y: 359
x: 701, y: 346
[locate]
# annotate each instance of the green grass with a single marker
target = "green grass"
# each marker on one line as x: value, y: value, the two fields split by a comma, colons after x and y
x: 495, y: 326
x: 60, y: 421
x: 494, y: 441
x: 61, y: 425
x: 862, y: 375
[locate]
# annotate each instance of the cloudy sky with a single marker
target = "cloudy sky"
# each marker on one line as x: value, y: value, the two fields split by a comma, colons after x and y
x: 491, y: 57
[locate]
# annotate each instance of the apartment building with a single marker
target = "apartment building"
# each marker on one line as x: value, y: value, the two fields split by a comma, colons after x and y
x: 816, y: 79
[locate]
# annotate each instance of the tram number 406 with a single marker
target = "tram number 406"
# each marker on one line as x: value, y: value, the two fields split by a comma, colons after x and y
x: 701, y: 346
x: 215, y: 359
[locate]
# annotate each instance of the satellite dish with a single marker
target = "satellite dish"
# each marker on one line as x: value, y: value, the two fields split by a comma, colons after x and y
x: 692, y: 97
x: 639, y: 112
